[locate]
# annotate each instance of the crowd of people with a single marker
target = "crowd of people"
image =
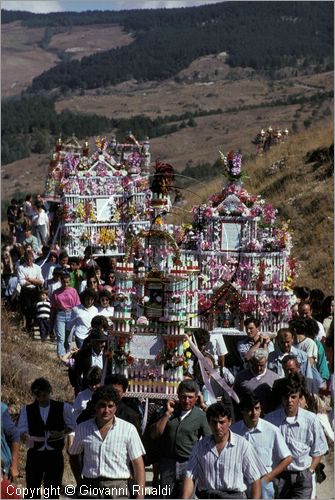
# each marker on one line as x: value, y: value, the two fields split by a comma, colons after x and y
x: 253, y: 422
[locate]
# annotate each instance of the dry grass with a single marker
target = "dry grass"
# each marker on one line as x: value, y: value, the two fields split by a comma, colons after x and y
x: 21, y: 58
x: 303, y: 195
x: 24, y: 360
x: 81, y: 41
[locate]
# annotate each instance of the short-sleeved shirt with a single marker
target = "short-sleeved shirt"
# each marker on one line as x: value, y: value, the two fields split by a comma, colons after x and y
x: 216, y: 346
x: 303, y: 435
x: 64, y: 299
x: 236, y: 467
x: 243, y: 346
x: 267, y: 439
x: 107, y: 457
x: 309, y: 346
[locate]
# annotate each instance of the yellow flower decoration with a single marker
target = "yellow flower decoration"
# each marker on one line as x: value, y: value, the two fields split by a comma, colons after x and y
x: 106, y: 236
x: 80, y: 210
x: 116, y: 215
x: 288, y: 285
x: 92, y: 214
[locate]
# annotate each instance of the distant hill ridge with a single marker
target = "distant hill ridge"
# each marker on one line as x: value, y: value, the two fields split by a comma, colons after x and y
x: 261, y: 35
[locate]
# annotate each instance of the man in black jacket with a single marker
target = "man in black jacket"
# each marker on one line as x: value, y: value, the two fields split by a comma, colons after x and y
x: 120, y: 384
x: 43, y: 426
x: 93, y: 354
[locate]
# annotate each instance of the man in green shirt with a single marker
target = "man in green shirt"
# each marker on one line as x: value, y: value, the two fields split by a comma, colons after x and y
x: 179, y: 428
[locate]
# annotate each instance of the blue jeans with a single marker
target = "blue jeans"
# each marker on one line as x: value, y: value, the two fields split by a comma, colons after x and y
x: 62, y: 332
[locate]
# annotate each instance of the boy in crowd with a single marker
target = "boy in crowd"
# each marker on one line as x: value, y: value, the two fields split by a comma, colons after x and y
x: 43, y: 308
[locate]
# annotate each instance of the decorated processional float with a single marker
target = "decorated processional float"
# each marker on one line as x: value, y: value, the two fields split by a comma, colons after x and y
x: 233, y: 260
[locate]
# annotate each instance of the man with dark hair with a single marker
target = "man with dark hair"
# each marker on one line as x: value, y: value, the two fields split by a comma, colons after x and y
x: 266, y: 439
x: 41, y: 224
x: 128, y: 411
x: 93, y: 354
x: 212, y: 343
x: 321, y: 364
x: 223, y: 464
x: 292, y: 366
x: 43, y: 425
x: 30, y: 239
x: 30, y: 278
x: 306, y: 312
x: 299, y: 327
x: 304, y: 437
x: 120, y: 384
x: 84, y: 397
x: 109, y: 444
x: 76, y: 273
x: 255, y: 340
x: 179, y: 428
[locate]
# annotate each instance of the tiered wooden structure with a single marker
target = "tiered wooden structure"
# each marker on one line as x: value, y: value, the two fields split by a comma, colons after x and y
x: 232, y: 261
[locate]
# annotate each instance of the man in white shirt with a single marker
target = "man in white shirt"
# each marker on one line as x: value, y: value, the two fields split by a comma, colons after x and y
x: 305, y: 311
x: 298, y: 327
x: 30, y: 278
x: 43, y: 426
x: 109, y: 444
x: 223, y: 464
x: 266, y: 439
x: 304, y: 437
x: 94, y: 381
x: 41, y: 224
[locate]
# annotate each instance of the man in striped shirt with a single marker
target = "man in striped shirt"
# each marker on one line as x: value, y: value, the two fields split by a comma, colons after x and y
x: 223, y: 464
x: 108, y: 444
x: 304, y: 437
x: 266, y: 439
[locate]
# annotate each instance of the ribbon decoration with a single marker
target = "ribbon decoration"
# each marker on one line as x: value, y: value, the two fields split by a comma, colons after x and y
x: 210, y: 372
x: 145, y: 416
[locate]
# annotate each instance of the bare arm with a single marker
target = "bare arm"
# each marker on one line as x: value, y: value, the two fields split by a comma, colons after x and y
x: 188, y: 487
x: 221, y: 360
x: 14, y: 466
x: 278, y: 469
x: 256, y: 489
x: 157, y: 429
x: 315, y: 462
x: 139, y: 476
x: 262, y: 343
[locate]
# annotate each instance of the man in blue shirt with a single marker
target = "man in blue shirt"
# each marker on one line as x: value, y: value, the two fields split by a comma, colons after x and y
x: 284, y: 346
x: 266, y: 439
x: 304, y: 437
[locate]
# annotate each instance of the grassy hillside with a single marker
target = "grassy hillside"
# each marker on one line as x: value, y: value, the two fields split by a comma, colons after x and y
x: 302, y: 190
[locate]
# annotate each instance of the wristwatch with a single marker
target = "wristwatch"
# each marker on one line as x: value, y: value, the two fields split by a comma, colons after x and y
x: 312, y: 471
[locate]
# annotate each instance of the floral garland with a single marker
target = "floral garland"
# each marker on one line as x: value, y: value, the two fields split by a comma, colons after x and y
x: 121, y: 354
x: 169, y: 356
